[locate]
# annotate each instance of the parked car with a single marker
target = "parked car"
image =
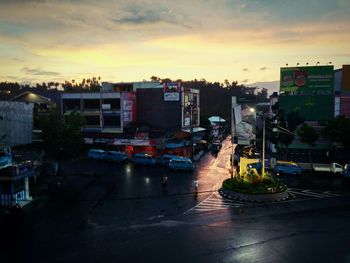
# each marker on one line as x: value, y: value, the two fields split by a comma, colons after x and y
x: 115, y: 156
x: 143, y: 159
x: 287, y: 168
x: 258, y: 166
x: 165, y: 158
x: 184, y: 164
x: 97, y: 154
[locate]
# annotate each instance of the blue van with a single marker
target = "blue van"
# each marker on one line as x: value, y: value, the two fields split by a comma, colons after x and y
x: 287, y: 168
x: 184, y: 164
x: 96, y: 154
x: 115, y: 156
x: 143, y: 159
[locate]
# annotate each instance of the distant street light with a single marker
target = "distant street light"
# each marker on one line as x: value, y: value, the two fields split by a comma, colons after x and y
x: 317, y: 63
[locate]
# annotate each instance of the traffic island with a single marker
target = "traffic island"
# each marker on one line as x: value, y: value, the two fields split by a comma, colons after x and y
x: 254, y: 198
x: 252, y: 187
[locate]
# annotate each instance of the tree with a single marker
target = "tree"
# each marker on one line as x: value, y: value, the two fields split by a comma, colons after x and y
x: 294, y: 119
x: 308, y: 135
x: 287, y: 126
x: 337, y: 130
x: 62, y: 138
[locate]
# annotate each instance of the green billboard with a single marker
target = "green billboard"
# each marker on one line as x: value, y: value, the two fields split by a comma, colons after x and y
x: 307, y: 79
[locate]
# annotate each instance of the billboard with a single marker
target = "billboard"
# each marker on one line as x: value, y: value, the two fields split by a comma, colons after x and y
x: 172, y: 91
x: 307, y: 79
x: 129, y: 107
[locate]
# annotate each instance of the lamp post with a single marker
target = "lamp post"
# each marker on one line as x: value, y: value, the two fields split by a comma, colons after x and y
x: 233, y: 126
x: 191, y: 129
x: 260, y: 113
x: 263, y: 157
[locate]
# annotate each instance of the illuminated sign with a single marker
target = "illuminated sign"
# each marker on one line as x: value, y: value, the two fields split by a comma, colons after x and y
x: 307, y: 79
x: 172, y: 91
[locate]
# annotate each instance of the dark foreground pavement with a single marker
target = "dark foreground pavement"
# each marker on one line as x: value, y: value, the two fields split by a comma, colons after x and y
x: 312, y: 231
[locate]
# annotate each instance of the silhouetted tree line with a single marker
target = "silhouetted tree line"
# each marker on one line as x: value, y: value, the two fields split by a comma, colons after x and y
x: 86, y: 85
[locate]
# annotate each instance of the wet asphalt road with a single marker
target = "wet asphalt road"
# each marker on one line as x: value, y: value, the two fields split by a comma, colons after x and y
x: 120, y: 213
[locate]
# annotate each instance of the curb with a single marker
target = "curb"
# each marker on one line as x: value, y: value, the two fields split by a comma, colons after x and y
x: 253, y: 198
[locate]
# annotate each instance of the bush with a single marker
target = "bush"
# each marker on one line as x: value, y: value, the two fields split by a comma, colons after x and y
x: 252, y: 183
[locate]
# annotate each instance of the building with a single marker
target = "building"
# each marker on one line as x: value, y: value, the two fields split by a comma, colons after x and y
x: 42, y: 106
x: 14, y: 183
x: 135, y: 117
x: 342, y: 91
x: 16, y: 123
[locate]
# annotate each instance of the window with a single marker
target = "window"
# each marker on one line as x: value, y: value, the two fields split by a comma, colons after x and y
x: 71, y: 105
x: 111, y: 121
x: 91, y: 104
x: 114, y: 103
x: 92, y: 120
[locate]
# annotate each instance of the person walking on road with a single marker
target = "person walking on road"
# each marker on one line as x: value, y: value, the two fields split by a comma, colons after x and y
x: 165, y: 181
x: 195, y: 185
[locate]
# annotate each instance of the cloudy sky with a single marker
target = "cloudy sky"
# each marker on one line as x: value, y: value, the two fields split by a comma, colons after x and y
x: 128, y: 40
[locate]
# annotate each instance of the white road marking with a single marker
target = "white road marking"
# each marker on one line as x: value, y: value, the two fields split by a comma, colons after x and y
x: 213, y: 203
x: 330, y: 193
x: 216, y: 202
x: 197, y: 204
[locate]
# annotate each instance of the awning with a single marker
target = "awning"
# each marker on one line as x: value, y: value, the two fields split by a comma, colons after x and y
x: 194, y: 129
x: 216, y: 119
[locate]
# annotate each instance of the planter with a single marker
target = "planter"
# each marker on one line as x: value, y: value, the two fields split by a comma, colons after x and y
x: 269, y: 197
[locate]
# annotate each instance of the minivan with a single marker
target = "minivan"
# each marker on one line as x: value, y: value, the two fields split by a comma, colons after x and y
x: 181, y: 164
x: 143, y: 159
x: 96, y: 154
x: 115, y: 156
x: 165, y: 158
x: 287, y: 168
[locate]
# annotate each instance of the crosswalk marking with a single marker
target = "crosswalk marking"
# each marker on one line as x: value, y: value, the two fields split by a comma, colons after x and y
x: 312, y: 193
x: 307, y: 194
x: 332, y: 194
x: 216, y: 202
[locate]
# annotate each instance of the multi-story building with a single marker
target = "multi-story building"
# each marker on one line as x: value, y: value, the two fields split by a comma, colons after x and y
x: 138, y: 116
x: 342, y: 91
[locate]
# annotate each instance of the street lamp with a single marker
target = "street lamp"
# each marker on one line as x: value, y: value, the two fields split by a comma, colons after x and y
x: 233, y: 127
x: 260, y: 113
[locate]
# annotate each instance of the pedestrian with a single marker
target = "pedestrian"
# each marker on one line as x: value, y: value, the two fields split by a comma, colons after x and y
x: 165, y: 181
x: 195, y: 185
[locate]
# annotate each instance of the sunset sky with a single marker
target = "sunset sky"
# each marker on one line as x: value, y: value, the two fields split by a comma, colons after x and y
x: 126, y: 40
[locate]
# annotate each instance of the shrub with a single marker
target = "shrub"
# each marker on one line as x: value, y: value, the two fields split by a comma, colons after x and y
x: 254, y: 184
